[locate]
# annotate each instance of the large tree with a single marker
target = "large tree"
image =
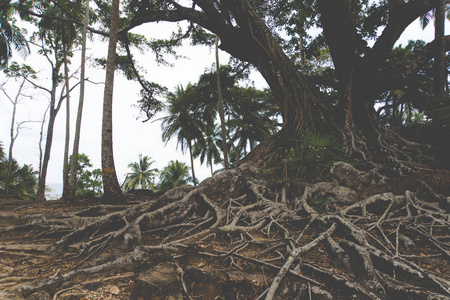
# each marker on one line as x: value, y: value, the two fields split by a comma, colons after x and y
x: 359, y: 75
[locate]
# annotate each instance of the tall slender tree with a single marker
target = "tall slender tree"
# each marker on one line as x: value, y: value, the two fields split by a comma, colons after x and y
x: 221, y: 109
x: 53, y: 34
x: 76, y: 142
x: 112, y: 192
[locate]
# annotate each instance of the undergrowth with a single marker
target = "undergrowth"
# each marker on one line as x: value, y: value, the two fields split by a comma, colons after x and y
x: 306, y: 159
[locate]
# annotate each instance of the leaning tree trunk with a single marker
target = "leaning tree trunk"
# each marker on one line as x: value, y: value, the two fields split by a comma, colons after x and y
x: 53, y: 108
x: 111, y: 186
x: 46, y: 158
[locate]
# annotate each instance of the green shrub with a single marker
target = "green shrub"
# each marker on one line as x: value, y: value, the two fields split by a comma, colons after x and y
x: 307, y: 158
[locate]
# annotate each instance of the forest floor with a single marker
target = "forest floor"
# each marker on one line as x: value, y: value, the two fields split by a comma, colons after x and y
x: 25, y: 259
x: 357, y: 235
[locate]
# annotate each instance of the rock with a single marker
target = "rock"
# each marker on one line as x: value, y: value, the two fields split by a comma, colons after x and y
x: 156, y: 281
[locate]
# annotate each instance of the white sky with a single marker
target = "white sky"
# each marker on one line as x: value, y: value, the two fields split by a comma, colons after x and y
x: 131, y: 136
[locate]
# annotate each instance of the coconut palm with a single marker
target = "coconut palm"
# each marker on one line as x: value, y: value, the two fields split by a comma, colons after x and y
x: 141, y: 176
x: 175, y: 174
x: 181, y: 123
x: 252, y: 117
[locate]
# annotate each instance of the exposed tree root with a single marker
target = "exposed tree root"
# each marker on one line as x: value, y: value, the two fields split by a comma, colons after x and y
x: 384, y: 246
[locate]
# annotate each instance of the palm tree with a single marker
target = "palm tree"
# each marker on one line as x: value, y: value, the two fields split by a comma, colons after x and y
x: 181, y: 123
x: 23, y: 180
x: 10, y: 35
x: 111, y: 187
x: 141, y: 175
x: 206, y: 148
x: 175, y: 174
x: 252, y: 117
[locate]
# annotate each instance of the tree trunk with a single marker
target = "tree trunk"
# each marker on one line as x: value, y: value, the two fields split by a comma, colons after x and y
x: 67, y: 140
x: 12, y: 137
x: 111, y: 186
x: 299, y: 101
x: 211, y: 167
x: 192, y: 164
x: 440, y: 65
x: 221, y: 110
x: 76, y: 142
x: 46, y: 157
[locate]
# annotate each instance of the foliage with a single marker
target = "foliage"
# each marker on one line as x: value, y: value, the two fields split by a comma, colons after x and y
x: 23, y: 181
x: 319, y: 204
x: 308, y: 158
x: 175, y: 174
x: 11, y: 37
x: 181, y: 123
x: 207, y: 148
x: 141, y: 176
x: 2, y: 151
x: 252, y: 116
x: 89, y: 181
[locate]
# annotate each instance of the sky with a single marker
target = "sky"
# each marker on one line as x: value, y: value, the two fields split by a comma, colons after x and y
x: 131, y: 136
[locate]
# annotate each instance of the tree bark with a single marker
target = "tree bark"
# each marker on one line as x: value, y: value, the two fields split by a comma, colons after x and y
x: 111, y: 186
x: 76, y: 143
x: 440, y: 77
